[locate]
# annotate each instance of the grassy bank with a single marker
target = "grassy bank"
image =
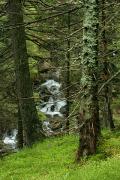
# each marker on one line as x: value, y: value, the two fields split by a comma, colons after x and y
x: 54, y: 160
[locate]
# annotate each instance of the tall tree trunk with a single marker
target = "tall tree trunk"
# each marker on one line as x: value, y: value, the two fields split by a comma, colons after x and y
x: 20, y: 131
x: 108, y: 118
x: 110, y: 114
x: 89, y: 115
x: 68, y: 77
x: 32, y: 127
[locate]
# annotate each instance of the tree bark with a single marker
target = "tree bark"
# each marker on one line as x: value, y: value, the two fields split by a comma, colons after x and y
x: 32, y: 127
x: 108, y: 118
x: 89, y: 115
x: 20, y: 131
x: 68, y: 78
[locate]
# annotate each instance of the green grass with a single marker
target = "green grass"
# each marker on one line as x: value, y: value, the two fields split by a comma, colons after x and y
x: 54, y: 159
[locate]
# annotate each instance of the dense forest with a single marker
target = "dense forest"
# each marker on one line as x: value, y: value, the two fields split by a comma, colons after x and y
x: 60, y: 89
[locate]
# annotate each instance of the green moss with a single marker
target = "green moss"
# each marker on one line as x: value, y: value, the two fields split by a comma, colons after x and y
x: 42, y: 116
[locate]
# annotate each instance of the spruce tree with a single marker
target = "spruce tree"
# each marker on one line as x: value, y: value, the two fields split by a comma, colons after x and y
x: 32, y: 126
x: 89, y: 113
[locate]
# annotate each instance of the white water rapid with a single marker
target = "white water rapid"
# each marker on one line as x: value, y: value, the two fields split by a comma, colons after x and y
x: 10, y: 139
x: 52, y: 107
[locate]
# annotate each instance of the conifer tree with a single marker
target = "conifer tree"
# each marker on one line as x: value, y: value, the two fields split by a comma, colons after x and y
x: 89, y: 115
x: 32, y: 126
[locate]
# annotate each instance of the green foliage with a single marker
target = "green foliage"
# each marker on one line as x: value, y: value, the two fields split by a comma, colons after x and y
x: 54, y: 159
x: 33, y: 69
x: 42, y: 116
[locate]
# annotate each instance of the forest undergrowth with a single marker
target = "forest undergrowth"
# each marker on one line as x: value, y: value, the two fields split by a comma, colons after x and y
x: 54, y: 159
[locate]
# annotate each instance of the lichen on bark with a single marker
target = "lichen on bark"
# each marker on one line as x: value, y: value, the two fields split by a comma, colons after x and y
x: 90, y: 109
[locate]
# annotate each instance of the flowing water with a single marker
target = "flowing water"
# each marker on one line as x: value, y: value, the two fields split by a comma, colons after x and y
x: 52, y: 107
x: 10, y: 138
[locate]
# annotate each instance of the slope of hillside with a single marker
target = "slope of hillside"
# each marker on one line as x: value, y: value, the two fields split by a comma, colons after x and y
x: 54, y: 159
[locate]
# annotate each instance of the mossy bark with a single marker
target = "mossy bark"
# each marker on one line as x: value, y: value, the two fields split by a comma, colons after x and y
x: 32, y: 127
x: 89, y: 113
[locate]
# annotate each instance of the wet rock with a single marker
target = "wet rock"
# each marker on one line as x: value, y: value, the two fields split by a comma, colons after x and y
x: 52, y: 100
x: 4, y: 149
x: 56, y: 123
x: 46, y: 128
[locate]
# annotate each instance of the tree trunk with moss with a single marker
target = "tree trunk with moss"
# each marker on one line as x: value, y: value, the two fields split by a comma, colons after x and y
x: 32, y: 127
x: 89, y: 113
